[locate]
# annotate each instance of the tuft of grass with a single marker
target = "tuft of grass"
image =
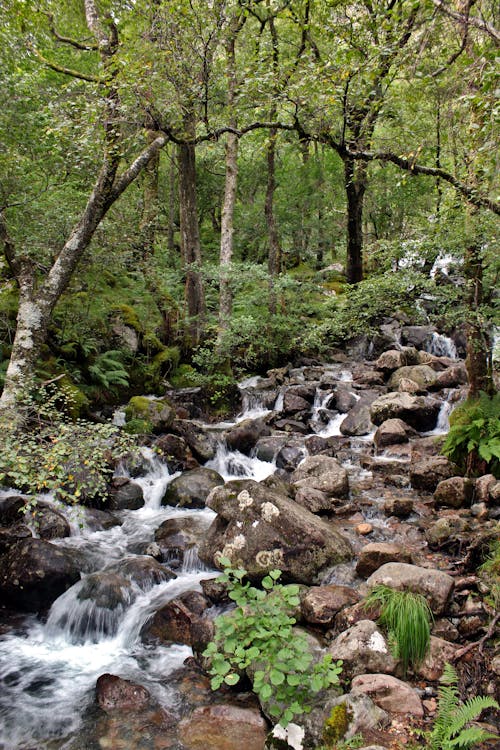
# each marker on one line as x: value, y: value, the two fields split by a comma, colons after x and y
x: 407, y: 619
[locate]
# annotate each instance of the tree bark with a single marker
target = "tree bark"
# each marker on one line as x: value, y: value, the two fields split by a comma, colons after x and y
x: 478, y: 359
x: 274, y: 261
x: 355, y: 182
x: 227, y: 232
x: 190, y: 239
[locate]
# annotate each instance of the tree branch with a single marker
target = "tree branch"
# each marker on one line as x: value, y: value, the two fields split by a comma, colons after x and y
x: 65, y: 39
x: 8, y: 247
x: 478, y: 23
x: 410, y: 165
x: 66, y: 71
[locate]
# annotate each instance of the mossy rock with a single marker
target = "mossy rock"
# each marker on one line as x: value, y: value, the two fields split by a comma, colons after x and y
x: 167, y: 360
x: 158, y: 413
x: 129, y: 316
x: 76, y: 402
x: 336, y: 725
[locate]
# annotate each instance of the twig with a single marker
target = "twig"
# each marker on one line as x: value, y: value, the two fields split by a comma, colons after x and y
x: 465, y: 650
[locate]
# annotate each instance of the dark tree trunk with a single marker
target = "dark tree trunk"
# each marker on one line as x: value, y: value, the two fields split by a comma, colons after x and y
x: 355, y: 182
x: 274, y: 261
x: 478, y: 360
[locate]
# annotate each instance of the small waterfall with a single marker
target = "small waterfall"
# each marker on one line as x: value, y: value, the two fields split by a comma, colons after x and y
x: 235, y: 465
x: 441, y: 346
x: 333, y: 426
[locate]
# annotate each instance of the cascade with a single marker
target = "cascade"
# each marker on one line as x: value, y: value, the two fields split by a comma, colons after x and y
x: 441, y: 346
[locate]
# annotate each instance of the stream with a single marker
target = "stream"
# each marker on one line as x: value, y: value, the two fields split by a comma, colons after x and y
x: 49, y: 667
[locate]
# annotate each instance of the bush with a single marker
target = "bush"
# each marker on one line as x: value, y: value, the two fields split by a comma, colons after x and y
x: 45, y: 451
x: 406, y: 617
x: 258, y: 636
x: 473, y: 441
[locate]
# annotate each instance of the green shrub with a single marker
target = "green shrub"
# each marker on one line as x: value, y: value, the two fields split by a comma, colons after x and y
x: 258, y: 636
x: 473, y: 441
x: 406, y: 617
x: 43, y: 450
x: 451, y: 730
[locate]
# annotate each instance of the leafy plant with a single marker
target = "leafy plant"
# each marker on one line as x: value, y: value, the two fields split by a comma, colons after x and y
x: 258, y: 638
x: 406, y: 617
x: 475, y: 434
x: 490, y: 570
x: 44, y: 450
x: 108, y: 370
x: 451, y: 728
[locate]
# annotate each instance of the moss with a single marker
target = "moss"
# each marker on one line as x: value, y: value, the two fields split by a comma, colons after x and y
x: 336, y: 725
x: 185, y: 376
x: 167, y: 360
x: 129, y: 316
x: 138, y: 427
x: 137, y: 407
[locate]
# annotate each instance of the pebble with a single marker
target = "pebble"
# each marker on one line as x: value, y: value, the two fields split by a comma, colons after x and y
x: 364, y: 528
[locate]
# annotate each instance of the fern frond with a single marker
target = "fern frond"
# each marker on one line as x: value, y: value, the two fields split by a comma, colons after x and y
x: 470, y: 737
x: 469, y: 711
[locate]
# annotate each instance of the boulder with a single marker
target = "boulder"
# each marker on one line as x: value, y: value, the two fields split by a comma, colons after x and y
x: 125, y: 495
x: 267, y: 448
x: 175, y: 452
x: 143, y: 570
x: 408, y: 386
x: 320, y: 604
x: 33, y: 573
x: 444, y: 529
x: 375, y: 554
x: 202, y: 444
x: 391, y: 432
x: 343, y: 400
x: 341, y: 717
x: 358, y: 420
x: 401, y: 507
x: 174, y: 621
x: 293, y: 403
x: 440, y: 652
x: 260, y: 529
x: 483, y: 486
x: 191, y: 489
x: 452, y: 377
x: 426, y: 473
x: 158, y: 412
x: 435, y: 585
x: 423, y: 375
x: 391, y: 694
x: 177, y: 536
x: 417, y: 336
x: 223, y: 727
x: 49, y: 523
x: 314, y: 500
x: 394, y: 359
x: 363, y: 648
x: 322, y: 473
x: 419, y: 412
x: 107, y: 589
x: 455, y: 492
x: 289, y: 457
x: 243, y: 436
x: 114, y: 693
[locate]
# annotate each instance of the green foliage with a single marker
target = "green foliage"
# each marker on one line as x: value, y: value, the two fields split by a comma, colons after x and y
x: 475, y: 431
x: 406, y: 617
x: 451, y: 730
x: 43, y: 450
x: 490, y: 570
x: 258, y: 637
x: 108, y: 370
x: 336, y: 725
x: 353, y: 743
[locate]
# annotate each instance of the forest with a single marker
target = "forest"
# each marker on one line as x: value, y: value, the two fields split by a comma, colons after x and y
x: 229, y: 229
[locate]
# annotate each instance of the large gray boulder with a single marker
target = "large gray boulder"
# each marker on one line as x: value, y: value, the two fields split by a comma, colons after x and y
x: 427, y: 472
x: 391, y: 694
x: 358, y: 420
x: 259, y: 529
x: 363, y: 649
x: 419, y: 412
x: 33, y: 573
x: 455, y: 492
x: 243, y: 436
x: 191, y: 489
x: 423, y: 375
x: 436, y: 586
x: 323, y: 473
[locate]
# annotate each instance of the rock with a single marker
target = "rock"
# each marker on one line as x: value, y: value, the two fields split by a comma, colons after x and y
x: 293, y: 403
x: 482, y: 488
x: 343, y: 400
x: 417, y: 336
x: 144, y: 571
x: 289, y: 457
x: 494, y: 493
x: 176, y: 536
x: 358, y: 421
x: 443, y: 529
x: 393, y: 359
x: 114, y: 693
x: 267, y: 448
x: 445, y: 629
x: 202, y: 444
x: 408, y: 386
x: 176, y: 452
x: 106, y: 589
x: 322, y: 473
x: 423, y: 375
x: 426, y: 473
x: 419, y: 412
x: 174, y: 621
x: 125, y: 494
x: 363, y: 648
x: 223, y: 727
x: 391, y: 694
x: 158, y: 412
x: 440, y: 652
x: 391, y: 432
x: 48, y: 523
x: 363, y: 529
x: 243, y: 436
x: 452, y: 377
x: 455, y: 492
x: 314, y: 500
x: 375, y: 554
x: 261, y: 529
x: 435, y: 585
x: 402, y: 507
x: 33, y: 573
x: 320, y: 604
x: 191, y: 489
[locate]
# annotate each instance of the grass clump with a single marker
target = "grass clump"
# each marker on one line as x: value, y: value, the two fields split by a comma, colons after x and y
x: 407, y: 618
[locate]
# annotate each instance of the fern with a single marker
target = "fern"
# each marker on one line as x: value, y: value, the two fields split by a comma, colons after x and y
x: 108, y: 370
x: 450, y: 729
x: 475, y: 429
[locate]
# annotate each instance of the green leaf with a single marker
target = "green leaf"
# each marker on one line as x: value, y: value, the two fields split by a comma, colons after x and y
x: 231, y: 679
x: 276, y: 677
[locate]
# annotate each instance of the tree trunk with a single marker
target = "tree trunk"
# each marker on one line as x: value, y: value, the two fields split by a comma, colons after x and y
x: 227, y: 232
x: 478, y: 360
x: 190, y: 240
x: 274, y: 261
x: 355, y: 187
x: 171, y: 207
